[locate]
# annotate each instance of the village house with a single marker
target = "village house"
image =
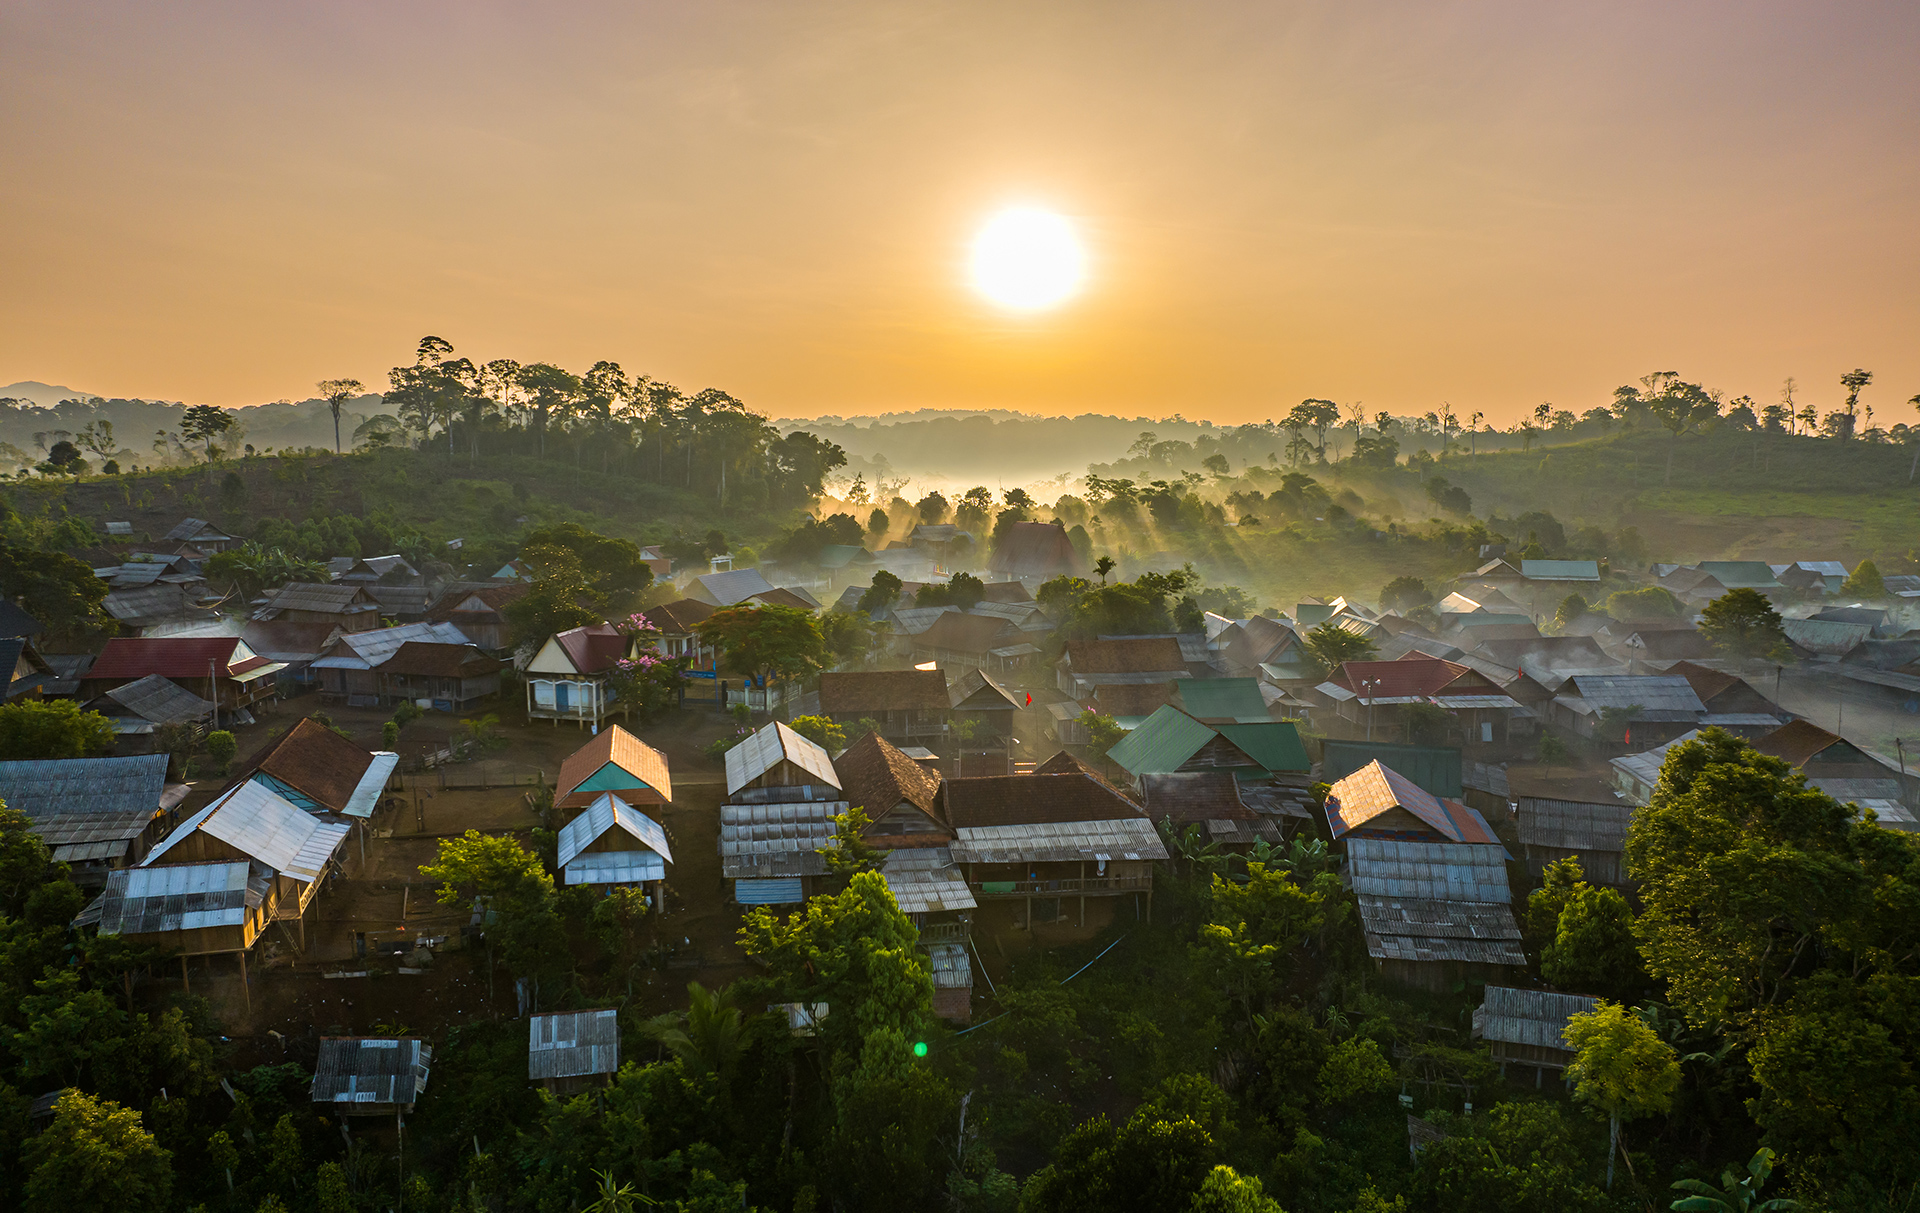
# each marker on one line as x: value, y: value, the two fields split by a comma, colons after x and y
x: 679, y: 636
x: 354, y: 667
x: 902, y: 800
x: 983, y: 713
x: 96, y: 815
x: 446, y: 677
x: 1210, y: 801
x: 371, y: 1075
x: 1219, y: 700
x: 906, y: 706
x: 222, y: 669
x: 1430, y: 879
x: 1570, y: 816
x: 479, y: 610
x: 1843, y: 770
x: 318, y: 771
x: 1087, y: 664
x: 1528, y: 1027
x: 377, y: 570
x: 1435, y: 769
x: 1060, y: 846
x: 614, y: 761
x: 573, y: 1051
x: 139, y: 708
x: 568, y: 678
x: 201, y: 535
x: 1171, y: 740
x: 1654, y: 707
x: 295, y: 646
x: 149, y: 608
x: 960, y: 640
x: 612, y: 845
x: 1375, y: 696
x: 727, y: 588
x: 347, y: 607
x: 782, y: 797
x: 1731, y: 702
x: 1037, y: 552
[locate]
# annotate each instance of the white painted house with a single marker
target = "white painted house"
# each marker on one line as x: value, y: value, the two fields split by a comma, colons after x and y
x: 568, y: 678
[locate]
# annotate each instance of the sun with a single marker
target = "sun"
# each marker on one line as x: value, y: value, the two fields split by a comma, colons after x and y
x: 1027, y: 259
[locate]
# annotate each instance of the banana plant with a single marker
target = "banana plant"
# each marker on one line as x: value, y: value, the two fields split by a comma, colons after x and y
x: 1734, y: 1195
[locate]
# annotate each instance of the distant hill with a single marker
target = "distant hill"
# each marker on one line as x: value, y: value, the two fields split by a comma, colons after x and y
x: 46, y: 395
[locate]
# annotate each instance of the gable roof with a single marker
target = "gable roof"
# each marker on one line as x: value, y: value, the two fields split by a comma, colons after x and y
x: 1560, y: 570
x: 1798, y: 742
x: 1273, y: 744
x: 979, y: 691
x: 161, y: 701
x: 1221, y: 700
x: 1126, y: 655
x: 14, y: 620
x: 1415, y: 676
x: 191, y: 529
x: 1535, y: 1018
x: 370, y: 650
x: 1377, y: 789
x: 681, y: 616
x: 261, y: 824
x: 1138, y: 700
x: 287, y: 640
x: 1188, y: 796
x: 608, y: 812
x: 315, y: 760
x: 339, y: 598
x: 626, y: 752
x: 1434, y: 768
x: 1005, y: 591
x: 80, y: 800
x: 1659, y: 697
x: 959, y: 632
x: 1740, y: 574
x: 852, y: 692
x: 471, y: 600
x: 769, y: 747
x: 782, y: 596
x: 174, y: 657
x: 1036, y: 549
x: 1826, y: 636
x: 1163, y: 742
x: 731, y: 587
x: 876, y: 776
x: 434, y: 659
x: 978, y: 801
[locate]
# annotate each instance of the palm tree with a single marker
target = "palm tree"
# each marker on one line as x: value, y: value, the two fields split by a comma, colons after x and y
x: 707, y: 1036
x: 1104, y: 565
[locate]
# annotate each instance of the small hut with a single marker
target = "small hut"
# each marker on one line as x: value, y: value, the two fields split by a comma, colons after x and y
x: 570, y: 1051
x: 371, y: 1075
x: 1525, y: 1027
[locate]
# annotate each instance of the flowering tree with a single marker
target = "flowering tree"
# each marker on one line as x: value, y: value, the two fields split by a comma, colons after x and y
x: 649, y: 682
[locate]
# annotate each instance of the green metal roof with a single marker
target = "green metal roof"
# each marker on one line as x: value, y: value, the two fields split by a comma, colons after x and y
x: 1311, y: 614
x: 1433, y: 768
x: 611, y: 777
x: 1274, y: 744
x: 1741, y: 574
x: 839, y: 555
x: 1560, y: 570
x: 1235, y: 699
x: 1163, y: 742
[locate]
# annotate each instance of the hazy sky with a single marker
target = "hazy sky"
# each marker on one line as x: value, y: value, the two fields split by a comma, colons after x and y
x: 1492, y: 204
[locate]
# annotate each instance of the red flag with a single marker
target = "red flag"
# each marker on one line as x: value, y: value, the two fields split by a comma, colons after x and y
x: 1629, y: 737
x: 1029, y: 698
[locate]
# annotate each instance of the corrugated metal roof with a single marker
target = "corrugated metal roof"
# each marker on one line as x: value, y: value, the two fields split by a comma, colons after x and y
x: 951, y: 968
x: 605, y: 813
x: 1126, y: 838
x: 1831, y: 637
x: 75, y: 801
x: 924, y: 880
x: 256, y: 821
x: 366, y: 794
x: 161, y: 700
x: 1560, y: 570
x: 371, y: 1070
x: 1429, y: 929
x: 178, y: 897
x: 573, y: 1044
x: 1357, y: 800
x: 1235, y: 700
x: 764, y: 750
x: 1537, y: 1018
x: 365, y: 650
x: 1574, y: 826
x: 1274, y: 744
x: 1658, y: 696
x: 762, y: 840
x: 615, y: 867
x: 1442, y: 871
x: 1163, y: 742
x: 736, y: 585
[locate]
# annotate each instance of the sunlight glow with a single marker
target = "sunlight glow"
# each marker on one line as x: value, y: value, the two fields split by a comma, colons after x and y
x: 1028, y: 259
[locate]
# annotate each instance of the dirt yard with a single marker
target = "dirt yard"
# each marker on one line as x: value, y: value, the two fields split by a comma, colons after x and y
x: 361, y: 972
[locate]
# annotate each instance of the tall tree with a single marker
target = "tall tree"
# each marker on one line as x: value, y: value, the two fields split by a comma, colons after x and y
x: 768, y: 643
x: 550, y: 394
x: 1621, y: 1067
x: 1742, y: 623
x: 96, y: 1155
x: 1853, y: 381
x: 336, y: 392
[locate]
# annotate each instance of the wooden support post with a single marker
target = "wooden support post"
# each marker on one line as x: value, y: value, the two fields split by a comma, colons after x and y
x: 184, y: 988
x: 1149, y: 907
x: 246, y: 992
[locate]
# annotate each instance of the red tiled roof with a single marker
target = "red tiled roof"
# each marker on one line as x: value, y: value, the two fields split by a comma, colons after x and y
x: 1126, y: 655
x: 883, y: 691
x: 1412, y: 676
x: 1797, y: 742
x: 592, y: 648
x: 1188, y: 796
x: 170, y: 657
x: 1130, y: 698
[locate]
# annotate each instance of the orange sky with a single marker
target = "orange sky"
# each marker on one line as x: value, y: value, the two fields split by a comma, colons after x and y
x: 1492, y: 204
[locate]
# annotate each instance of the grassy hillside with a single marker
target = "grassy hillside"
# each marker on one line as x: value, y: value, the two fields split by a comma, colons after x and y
x: 408, y: 490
